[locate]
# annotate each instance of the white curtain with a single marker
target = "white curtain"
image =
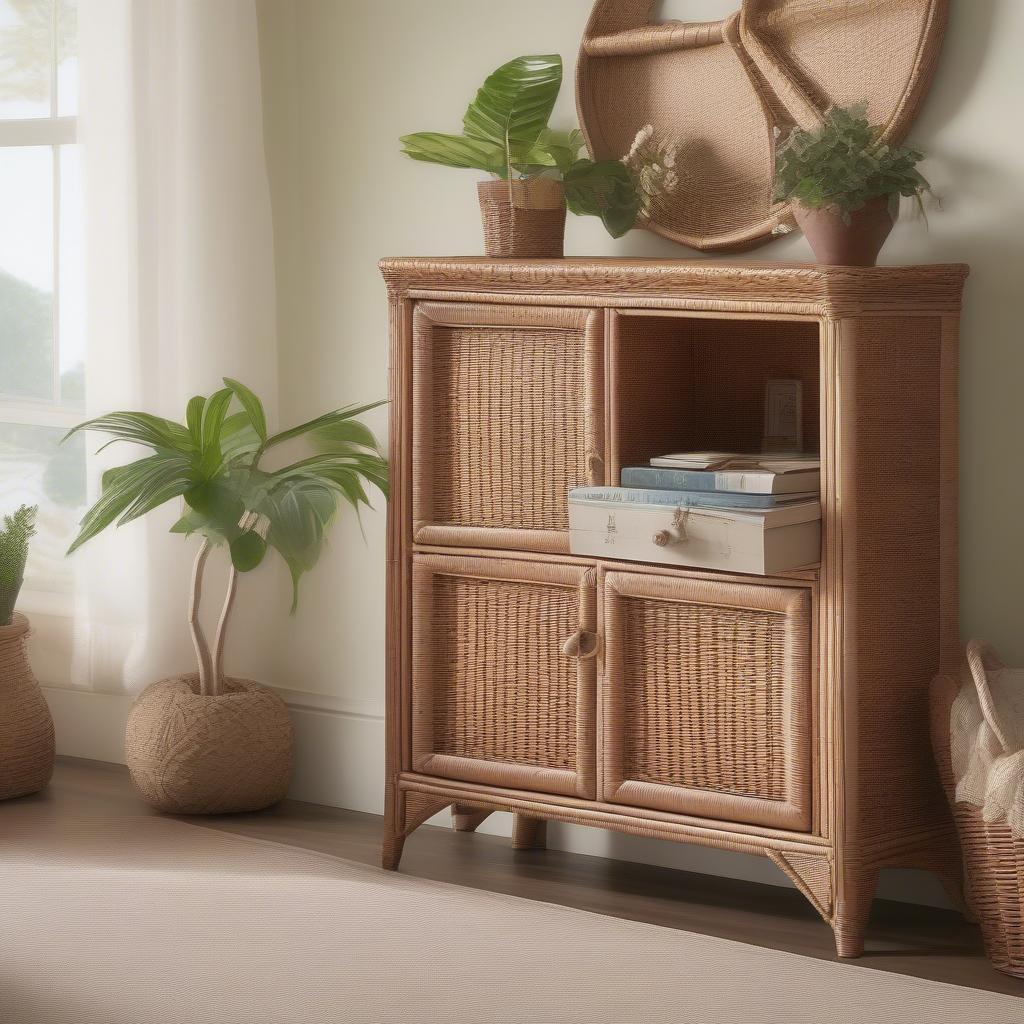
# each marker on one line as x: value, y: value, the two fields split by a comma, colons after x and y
x: 180, y: 292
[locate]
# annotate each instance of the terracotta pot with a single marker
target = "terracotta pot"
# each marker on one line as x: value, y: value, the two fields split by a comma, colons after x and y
x: 838, y: 244
x: 523, y: 219
x: 191, y: 754
x: 26, y: 728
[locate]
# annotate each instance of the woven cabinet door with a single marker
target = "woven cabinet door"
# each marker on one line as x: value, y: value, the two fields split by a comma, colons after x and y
x: 504, y: 673
x: 706, y: 697
x: 508, y: 415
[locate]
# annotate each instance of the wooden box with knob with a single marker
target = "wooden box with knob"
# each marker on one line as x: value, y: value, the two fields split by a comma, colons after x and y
x: 781, y: 714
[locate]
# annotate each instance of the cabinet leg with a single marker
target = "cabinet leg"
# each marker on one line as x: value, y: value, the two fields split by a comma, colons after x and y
x: 391, y: 851
x: 467, y: 819
x: 529, y: 833
x: 853, y: 907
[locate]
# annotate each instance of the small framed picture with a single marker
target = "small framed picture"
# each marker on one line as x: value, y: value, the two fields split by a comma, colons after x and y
x: 783, y: 416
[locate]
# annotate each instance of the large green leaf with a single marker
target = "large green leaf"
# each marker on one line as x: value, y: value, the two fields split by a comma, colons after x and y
x: 604, y: 189
x: 326, y: 421
x: 131, y: 491
x: 194, y: 418
x: 140, y: 428
x: 515, y: 102
x: 252, y: 405
x: 247, y: 551
x: 454, y: 151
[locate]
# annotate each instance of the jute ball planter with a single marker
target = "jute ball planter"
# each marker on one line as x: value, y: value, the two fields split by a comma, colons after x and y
x: 26, y: 728
x: 189, y: 753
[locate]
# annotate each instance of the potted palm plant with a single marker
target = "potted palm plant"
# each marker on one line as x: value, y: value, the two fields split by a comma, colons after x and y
x: 845, y: 183
x: 205, y: 742
x: 536, y: 172
x: 26, y: 728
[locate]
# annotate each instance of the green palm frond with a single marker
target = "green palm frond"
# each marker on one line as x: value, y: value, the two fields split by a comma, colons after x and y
x: 212, y: 462
x: 18, y: 529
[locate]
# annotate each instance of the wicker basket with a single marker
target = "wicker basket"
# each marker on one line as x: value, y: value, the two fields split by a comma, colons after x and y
x: 993, y: 856
x: 26, y: 728
x: 523, y: 219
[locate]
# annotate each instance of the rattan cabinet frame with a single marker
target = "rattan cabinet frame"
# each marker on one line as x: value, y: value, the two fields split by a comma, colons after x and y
x: 866, y: 630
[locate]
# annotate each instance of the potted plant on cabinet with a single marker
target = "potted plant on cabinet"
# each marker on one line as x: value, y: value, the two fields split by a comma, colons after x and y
x: 537, y: 172
x: 845, y: 182
x: 26, y: 728
x: 205, y: 742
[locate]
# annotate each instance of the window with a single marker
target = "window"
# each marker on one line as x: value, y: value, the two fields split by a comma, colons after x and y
x: 42, y: 316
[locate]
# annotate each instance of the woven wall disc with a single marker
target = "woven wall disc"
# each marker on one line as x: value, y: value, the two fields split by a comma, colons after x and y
x: 716, y: 91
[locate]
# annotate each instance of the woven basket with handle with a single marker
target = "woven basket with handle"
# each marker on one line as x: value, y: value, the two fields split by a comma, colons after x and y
x: 993, y: 855
x: 523, y: 219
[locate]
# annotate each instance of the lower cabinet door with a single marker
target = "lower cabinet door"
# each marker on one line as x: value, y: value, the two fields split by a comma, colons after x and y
x: 504, y: 673
x: 706, y: 697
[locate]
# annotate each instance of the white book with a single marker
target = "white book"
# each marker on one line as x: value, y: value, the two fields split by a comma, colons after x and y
x: 735, y: 461
x: 760, y: 542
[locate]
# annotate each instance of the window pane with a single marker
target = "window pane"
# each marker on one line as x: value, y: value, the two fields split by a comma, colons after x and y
x: 72, y: 280
x: 67, y: 58
x: 35, y: 469
x: 26, y: 272
x: 26, y: 57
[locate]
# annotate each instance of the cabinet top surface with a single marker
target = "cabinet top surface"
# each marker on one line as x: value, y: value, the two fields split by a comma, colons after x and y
x: 828, y: 288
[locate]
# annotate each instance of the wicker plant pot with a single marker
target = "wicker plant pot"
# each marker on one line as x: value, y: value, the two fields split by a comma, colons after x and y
x: 190, y: 754
x: 26, y: 728
x: 523, y: 219
x: 838, y: 244
x: 993, y: 856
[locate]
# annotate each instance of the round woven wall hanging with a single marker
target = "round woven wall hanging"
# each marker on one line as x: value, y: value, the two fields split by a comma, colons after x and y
x: 716, y: 93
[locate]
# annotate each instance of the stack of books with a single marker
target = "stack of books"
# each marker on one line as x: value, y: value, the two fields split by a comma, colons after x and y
x: 755, y: 513
x: 723, y: 480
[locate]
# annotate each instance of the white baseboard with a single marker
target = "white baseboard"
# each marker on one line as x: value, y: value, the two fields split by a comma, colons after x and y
x: 340, y: 763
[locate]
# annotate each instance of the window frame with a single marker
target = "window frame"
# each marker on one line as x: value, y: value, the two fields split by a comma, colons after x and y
x: 53, y: 131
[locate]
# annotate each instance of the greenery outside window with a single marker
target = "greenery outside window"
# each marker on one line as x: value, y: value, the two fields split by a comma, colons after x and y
x: 42, y: 293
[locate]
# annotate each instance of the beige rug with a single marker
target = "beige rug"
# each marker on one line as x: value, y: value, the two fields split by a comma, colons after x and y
x: 145, y: 920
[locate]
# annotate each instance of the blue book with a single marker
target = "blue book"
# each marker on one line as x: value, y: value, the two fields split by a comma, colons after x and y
x: 733, y: 481
x: 687, y: 499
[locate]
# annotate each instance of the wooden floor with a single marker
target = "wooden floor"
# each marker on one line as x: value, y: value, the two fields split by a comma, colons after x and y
x: 905, y: 939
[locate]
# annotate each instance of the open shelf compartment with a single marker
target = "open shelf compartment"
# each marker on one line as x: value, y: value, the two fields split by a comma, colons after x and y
x: 692, y: 382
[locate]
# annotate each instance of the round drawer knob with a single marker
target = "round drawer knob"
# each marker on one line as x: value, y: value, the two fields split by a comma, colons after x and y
x: 580, y: 645
x: 663, y: 538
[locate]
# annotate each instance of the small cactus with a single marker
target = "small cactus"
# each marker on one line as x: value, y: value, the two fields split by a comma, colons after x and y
x: 18, y: 527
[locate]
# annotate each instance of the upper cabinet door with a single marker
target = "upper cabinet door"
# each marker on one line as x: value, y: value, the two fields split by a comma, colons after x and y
x: 706, y: 699
x: 508, y: 415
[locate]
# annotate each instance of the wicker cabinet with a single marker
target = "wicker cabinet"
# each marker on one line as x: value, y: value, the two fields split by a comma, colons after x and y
x: 781, y: 716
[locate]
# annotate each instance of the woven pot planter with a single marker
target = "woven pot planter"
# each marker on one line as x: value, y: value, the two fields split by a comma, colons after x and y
x: 523, y: 219
x: 838, y: 244
x: 26, y: 728
x: 993, y: 855
x: 193, y: 754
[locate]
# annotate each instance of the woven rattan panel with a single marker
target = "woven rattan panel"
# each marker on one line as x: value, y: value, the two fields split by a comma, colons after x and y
x: 509, y: 426
x: 704, y: 697
x: 893, y: 431
x: 502, y: 690
x: 684, y: 383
